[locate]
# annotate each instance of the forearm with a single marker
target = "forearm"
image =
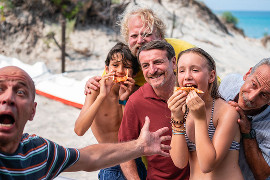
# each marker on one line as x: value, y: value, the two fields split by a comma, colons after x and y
x: 130, y: 171
x: 205, y: 150
x: 255, y: 159
x: 87, y: 116
x: 179, y: 152
x: 100, y: 156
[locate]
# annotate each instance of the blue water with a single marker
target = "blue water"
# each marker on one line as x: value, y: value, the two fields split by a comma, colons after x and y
x: 254, y: 23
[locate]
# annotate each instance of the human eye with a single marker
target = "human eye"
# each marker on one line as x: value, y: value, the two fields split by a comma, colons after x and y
x: 158, y: 62
x: 128, y: 67
x: 195, y: 70
x: 264, y: 96
x: 134, y: 36
x: 2, y: 88
x: 253, y: 84
x: 21, y: 92
x: 181, y: 70
x: 147, y: 34
x: 145, y: 66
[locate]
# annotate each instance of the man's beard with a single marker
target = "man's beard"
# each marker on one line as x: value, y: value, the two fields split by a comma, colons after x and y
x: 134, y: 49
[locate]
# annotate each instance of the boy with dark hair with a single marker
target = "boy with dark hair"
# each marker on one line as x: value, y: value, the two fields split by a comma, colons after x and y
x: 103, y: 109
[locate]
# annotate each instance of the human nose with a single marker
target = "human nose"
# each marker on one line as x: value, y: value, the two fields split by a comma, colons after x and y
x: 8, y: 97
x: 253, y: 95
x: 188, y: 75
x: 120, y: 70
x: 152, y: 69
x: 140, y: 39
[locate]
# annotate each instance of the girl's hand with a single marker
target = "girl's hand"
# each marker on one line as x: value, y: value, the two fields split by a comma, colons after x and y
x: 176, y: 104
x: 196, y: 106
x: 126, y: 88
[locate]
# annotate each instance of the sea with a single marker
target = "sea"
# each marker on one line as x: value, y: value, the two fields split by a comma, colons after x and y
x: 256, y: 24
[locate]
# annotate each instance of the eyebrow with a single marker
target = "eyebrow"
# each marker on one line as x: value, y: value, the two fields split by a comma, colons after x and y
x: 257, y: 80
x: 22, y: 83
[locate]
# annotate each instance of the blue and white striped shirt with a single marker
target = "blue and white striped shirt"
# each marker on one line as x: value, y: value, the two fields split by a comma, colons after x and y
x: 36, y: 158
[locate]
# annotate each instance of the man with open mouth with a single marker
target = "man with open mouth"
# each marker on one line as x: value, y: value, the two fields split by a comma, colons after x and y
x: 24, y: 156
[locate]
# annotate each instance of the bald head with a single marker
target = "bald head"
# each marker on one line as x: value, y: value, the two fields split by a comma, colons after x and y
x: 16, y: 73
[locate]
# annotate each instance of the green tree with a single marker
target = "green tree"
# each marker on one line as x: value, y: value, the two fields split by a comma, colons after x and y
x: 229, y: 17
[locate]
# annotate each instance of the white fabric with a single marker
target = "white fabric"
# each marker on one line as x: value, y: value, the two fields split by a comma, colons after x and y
x: 230, y: 86
x: 54, y: 84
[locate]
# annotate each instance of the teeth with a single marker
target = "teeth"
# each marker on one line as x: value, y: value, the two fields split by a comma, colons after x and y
x: 155, y: 76
x: 5, y: 125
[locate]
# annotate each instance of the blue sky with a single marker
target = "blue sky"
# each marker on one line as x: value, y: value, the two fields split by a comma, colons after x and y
x: 249, y: 5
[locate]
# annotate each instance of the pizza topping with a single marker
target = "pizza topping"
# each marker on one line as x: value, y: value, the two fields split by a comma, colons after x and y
x: 188, y: 89
x: 117, y: 79
x: 120, y: 78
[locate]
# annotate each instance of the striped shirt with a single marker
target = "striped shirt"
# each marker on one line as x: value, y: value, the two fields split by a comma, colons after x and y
x: 229, y: 89
x: 36, y: 158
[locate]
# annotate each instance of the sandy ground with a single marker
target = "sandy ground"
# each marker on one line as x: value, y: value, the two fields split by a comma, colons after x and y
x: 55, y: 121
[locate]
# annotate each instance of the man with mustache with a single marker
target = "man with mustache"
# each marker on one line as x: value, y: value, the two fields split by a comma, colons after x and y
x: 24, y: 156
x: 251, y: 98
x: 157, y: 60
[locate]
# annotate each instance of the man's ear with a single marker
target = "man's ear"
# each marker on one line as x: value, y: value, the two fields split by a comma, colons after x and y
x: 174, y: 63
x: 247, y: 74
x: 33, y: 111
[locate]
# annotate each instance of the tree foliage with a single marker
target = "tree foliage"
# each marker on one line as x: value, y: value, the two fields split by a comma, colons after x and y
x: 68, y: 8
x: 229, y: 18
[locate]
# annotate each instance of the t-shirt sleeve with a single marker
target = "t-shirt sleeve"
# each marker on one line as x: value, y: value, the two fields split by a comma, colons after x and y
x: 60, y: 158
x: 179, y: 45
x: 130, y: 126
x: 230, y: 86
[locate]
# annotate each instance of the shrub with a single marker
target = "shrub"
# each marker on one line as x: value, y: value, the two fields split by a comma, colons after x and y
x: 229, y: 18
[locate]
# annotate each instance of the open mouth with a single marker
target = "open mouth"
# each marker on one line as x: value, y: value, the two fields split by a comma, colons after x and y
x: 6, y: 120
x: 191, y: 85
x: 155, y: 76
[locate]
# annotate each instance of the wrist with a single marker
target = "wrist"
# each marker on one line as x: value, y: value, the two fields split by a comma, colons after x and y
x: 122, y: 102
x: 101, y: 96
x: 178, y: 126
x: 139, y: 146
x: 250, y: 135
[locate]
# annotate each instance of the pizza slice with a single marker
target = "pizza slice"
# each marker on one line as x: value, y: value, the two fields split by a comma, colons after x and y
x: 188, y: 89
x: 118, y: 79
